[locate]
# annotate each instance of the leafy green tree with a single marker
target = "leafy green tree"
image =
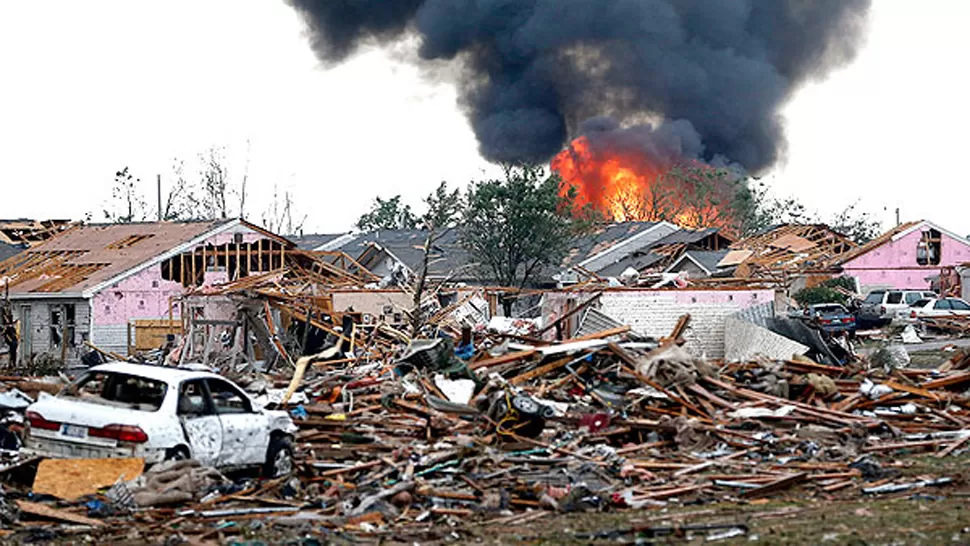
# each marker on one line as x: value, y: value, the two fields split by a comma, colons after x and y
x: 387, y: 214
x: 516, y: 226
x: 826, y: 292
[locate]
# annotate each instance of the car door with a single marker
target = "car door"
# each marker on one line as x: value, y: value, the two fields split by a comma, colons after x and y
x: 199, y: 421
x: 245, y: 430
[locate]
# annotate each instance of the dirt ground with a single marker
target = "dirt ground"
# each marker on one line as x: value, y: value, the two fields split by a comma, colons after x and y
x: 800, y: 516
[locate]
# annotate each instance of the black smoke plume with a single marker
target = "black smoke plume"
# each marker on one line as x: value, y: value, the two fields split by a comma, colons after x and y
x: 534, y: 70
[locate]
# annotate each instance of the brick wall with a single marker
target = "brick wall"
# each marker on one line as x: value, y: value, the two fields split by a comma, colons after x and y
x: 655, y: 312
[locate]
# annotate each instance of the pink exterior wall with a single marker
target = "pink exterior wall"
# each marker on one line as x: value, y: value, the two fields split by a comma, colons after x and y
x: 141, y: 296
x: 893, y: 265
x: 146, y: 295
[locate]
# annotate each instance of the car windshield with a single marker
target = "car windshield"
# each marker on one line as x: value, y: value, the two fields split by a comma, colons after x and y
x: 117, y: 390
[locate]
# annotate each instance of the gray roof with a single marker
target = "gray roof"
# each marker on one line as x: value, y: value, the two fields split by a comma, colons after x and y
x: 686, y: 236
x: 607, y: 250
x: 407, y: 245
x: 639, y: 260
x: 602, y: 239
x: 7, y: 250
x: 708, y: 259
x: 313, y: 241
x: 643, y: 257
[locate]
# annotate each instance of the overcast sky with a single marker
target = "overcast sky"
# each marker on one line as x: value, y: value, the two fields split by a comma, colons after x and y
x: 87, y: 88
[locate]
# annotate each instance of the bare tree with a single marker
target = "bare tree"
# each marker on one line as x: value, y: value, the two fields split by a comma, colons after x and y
x: 127, y: 203
x: 178, y: 203
x: 281, y: 216
x: 444, y: 209
x: 242, y: 185
x: 214, y: 190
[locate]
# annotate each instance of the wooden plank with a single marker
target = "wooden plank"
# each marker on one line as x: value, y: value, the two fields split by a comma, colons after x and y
x: 72, y: 478
x: 896, y: 385
x: 37, y: 509
x: 504, y: 359
x: 948, y: 381
x: 604, y: 334
x: 775, y: 486
x: 540, y: 371
x: 953, y: 447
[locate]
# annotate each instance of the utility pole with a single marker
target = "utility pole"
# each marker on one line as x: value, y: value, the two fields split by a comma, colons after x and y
x: 897, y: 216
x: 158, y: 179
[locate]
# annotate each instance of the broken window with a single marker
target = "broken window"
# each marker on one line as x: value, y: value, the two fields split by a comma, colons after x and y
x: 226, y: 398
x: 69, y: 324
x: 118, y: 390
x: 929, y: 248
x: 55, y: 327
x: 193, y: 399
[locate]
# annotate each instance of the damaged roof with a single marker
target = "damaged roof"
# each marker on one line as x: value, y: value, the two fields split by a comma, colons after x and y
x: 603, y: 239
x: 659, y: 253
x: 787, y: 248
x: 30, y: 232
x: 406, y: 246
x: 8, y: 250
x: 316, y: 241
x: 86, y: 256
x: 707, y: 260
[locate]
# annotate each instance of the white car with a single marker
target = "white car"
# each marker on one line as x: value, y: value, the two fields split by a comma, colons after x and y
x: 158, y: 413
x: 935, y: 307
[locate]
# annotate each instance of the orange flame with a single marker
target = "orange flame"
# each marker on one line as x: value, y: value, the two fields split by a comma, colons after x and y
x: 630, y: 186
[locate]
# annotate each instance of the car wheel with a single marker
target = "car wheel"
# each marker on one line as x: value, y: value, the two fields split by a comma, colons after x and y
x: 179, y: 453
x: 279, y: 458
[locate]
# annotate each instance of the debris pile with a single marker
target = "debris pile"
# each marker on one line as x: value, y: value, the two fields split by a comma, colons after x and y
x: 398, y: 435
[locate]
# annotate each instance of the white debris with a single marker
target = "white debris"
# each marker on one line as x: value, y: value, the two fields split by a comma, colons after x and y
x: 873, y: 390
x: 747, y: 413
x: 459, y: 391
x: 910, y: 336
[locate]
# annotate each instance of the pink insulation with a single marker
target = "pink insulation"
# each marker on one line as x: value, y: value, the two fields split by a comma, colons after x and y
x: 146, y: 295
x: 894, y: 265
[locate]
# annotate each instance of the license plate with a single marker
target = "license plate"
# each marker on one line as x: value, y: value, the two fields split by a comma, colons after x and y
x: 74, y: 431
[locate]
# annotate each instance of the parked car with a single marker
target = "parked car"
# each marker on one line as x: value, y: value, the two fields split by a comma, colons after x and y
x: 881, y: 306
x: 935, y: 307
x: 159, y: 413
x: 831, y: 317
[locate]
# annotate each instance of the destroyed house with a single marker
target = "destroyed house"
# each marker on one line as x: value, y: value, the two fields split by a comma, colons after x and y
x: 30, y: 232
x: 614, y: 250
x: 387, y: 253
x: 606, y: 251
x: 792, y: 255
x: 906, y: 256
x: 112, y: 285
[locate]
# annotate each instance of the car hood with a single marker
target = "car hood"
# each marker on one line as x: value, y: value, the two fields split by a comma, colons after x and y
x: 77, y: 412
